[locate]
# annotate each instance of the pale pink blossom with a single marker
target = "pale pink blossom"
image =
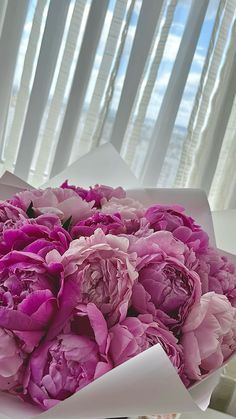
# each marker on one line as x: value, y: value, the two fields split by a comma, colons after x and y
x: 10, y: 362
x: 209, y: 335
x: 65, y: 203
x: 128, y: 208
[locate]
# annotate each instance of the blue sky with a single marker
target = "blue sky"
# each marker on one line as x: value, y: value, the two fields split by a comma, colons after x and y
x: 173, y: 42
x: 165, y: 68
x: 170, y: 53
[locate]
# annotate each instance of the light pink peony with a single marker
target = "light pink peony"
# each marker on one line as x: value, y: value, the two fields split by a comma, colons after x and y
x: 136, y: 334
x: 138, y: 227
x: 100, y: 270
x: 217, y: 274
x: 10, y: 213
x: 144, y: 229
x: 128, y: 208
x: 209, y: 335
x: 10, y: 362
x: 65, y: 203
x: 166, y: 287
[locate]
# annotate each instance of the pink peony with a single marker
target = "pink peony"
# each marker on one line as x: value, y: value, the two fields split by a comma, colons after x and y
x: 128, y: 208
x: 172, y: 218
x: 62, y: 366
x: 217, y: 274
x: 143, y: 230
x: 28, y: 291
x: 209, y: 335
x: 100, y: 270
x: 9, y: 213
x: 37, y: 235
x: 138, y: 227
x: 166, y: 287
x: 97, y: 193
x: 109, y: 223
x: 135, y: 334
x: 11, y: 362
x: 65, y: 203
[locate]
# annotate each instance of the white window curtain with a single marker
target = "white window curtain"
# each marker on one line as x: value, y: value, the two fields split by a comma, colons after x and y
x: 156, y: 78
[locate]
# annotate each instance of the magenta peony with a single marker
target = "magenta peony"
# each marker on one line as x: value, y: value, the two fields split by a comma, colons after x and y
x: 109, y: 223
x: 60, y: 367
x: 172, y: 218
x: 209, y: 335
x: 38, y: 235
x: 28, y: 290
x: 97, y: 193
x: 166, y: 287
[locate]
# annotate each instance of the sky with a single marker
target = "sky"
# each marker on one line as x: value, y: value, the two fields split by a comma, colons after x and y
x: 170, y: 52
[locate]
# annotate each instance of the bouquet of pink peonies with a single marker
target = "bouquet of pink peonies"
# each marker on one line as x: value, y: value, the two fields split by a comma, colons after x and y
x: 93, y: 279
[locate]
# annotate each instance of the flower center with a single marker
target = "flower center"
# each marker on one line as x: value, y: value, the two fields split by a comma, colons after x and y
x: 95, y: 284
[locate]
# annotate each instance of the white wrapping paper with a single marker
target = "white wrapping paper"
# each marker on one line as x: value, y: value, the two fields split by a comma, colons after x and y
x: 102, y: 165
x: 147, y: 384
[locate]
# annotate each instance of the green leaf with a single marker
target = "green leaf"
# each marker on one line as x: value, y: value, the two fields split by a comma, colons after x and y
x: 67, y: 223
x: 30, y: 211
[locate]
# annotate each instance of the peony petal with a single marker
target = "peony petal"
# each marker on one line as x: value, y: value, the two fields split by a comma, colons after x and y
x: 99, y: 326
x: 68, y: 300
x: 16, y: 320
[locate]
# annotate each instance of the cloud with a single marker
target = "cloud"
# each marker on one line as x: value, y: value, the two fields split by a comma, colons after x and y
x: 27, y: 27
x: 137, y: 7
x: 184, y: 3
x: 193, y: 78
x: 186, y: 102
x: 177, y: 28
x: 172, y: 46
x: 199, y: 59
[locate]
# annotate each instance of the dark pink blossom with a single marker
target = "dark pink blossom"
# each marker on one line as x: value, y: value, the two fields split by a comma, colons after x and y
x: 28, y: 296
x: 166, y: 287
x: 96, y: 193
x: 38, y: 235
x: 109, y: 223
x: 60, y: 367
x: 172, y: 218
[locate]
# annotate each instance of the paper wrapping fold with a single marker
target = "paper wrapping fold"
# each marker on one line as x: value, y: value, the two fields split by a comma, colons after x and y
x: 102, y: 165
x: 147, y: 384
